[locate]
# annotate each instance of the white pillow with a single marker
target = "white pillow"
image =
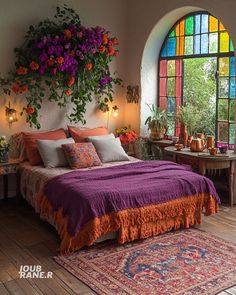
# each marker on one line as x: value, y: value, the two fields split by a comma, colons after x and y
x: 100, y: 137
x: 110, y: 150
x: 51, y: 152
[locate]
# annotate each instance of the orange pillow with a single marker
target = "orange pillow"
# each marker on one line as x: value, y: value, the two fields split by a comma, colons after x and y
x: 80, y: 134
x: 30, y: 139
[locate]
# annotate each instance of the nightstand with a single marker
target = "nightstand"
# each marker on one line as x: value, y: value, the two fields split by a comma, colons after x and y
x: 10, y: 167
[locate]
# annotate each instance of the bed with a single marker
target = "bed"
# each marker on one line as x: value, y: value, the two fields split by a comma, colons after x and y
x: 133, y: 199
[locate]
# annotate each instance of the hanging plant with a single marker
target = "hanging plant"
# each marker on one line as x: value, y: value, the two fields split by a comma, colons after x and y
x: 64, y: 62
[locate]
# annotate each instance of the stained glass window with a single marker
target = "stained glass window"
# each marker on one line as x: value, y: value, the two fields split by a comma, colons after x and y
x: 197, y: 35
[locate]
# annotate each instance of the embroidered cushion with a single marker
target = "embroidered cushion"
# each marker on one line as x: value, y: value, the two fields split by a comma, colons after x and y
x: 31, y: 147
x: 81, y: 155
x: 80, y: 134
x: 51, y: 152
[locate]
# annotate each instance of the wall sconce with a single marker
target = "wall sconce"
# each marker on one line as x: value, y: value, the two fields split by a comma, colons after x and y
x: 11, y: 114
x: 132, y: 94
x: 115, y: 111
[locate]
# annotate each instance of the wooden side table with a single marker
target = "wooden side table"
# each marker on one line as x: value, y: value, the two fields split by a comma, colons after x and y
x: 203, y: 161
x: 161, y: 144
x: 11, y: 167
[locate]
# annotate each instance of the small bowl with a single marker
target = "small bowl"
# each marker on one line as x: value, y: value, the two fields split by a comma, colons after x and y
x: 212, y: 151
x: 223, y: 149
x: 179, y: 146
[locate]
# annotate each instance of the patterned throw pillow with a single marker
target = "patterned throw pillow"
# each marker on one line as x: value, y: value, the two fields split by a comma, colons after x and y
x: 81, y: 155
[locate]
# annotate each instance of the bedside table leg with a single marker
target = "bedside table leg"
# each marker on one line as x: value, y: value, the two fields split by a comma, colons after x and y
x: 5, y: 186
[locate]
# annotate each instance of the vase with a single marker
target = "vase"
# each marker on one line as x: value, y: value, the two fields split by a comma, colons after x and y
x: 3, y: 157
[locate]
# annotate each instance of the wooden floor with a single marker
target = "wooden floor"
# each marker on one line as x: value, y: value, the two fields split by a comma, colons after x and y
x: 24, y: 239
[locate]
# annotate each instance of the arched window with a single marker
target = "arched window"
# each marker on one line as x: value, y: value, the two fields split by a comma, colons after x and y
x: 198, y: 54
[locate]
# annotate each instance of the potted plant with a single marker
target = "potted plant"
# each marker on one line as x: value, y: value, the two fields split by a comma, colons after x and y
x: 4, y: 149
x: 157, y: 122
x: 127, y: 136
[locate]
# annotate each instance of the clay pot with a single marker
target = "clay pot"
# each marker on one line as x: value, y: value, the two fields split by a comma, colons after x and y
x: 157, y: 133
x: 210, y: 141
x: 197, y: 145
x: 179, y: 146
x: 212, y: 151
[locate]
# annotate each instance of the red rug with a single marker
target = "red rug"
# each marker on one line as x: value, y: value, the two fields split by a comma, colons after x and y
x: 187, y: 262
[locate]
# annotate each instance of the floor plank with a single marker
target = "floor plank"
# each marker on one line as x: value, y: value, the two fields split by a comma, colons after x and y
x: 25, y: 239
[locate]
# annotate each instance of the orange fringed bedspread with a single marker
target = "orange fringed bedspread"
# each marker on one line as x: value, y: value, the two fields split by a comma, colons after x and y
x: 132, y: 224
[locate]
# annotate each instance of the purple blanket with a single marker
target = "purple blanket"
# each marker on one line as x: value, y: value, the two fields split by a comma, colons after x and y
x: 85, y: 195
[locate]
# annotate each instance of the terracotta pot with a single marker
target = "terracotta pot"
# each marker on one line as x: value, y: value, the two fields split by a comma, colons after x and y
x: 212, y: 151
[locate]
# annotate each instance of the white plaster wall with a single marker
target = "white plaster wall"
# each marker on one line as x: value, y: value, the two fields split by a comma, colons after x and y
x: 15, y: 18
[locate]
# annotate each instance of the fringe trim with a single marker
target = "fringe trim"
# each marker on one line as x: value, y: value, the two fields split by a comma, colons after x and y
x: 131, y: 224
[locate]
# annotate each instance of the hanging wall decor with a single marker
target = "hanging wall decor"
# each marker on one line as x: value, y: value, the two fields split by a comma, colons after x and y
x: 65, y: 62
x: 132, y: 94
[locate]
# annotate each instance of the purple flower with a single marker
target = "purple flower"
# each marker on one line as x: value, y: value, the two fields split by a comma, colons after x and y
x: 104, y: 81
x: 43, y: 56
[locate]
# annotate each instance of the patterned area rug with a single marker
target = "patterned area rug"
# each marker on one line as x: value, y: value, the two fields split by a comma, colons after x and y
x: 187, y: 262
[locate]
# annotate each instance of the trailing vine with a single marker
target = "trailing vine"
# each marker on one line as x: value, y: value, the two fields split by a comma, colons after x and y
x: 65, y: 62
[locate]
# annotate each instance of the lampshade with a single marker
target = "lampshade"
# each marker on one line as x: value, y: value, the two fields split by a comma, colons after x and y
x: 11, y: 114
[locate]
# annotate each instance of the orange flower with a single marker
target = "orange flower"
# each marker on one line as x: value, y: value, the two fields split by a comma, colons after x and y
x: 30, y: 110
x: 60, y: 60
x: 51, y: 62
x: 89, y: 66
x: 79, y: 35
x: 71, y: 81
x: 102, y: 49
x: 67, y: 33
x: 111, y: 51
x: 104, y: 39
x: 34, y: 66
x: 18, y: 82
x: 68, y: 92
x: 15, y: 88
x: 23, y: 89
x: 22, y: 71
x: 114, y: 41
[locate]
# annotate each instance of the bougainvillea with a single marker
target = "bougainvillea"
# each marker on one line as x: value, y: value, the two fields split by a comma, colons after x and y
x: 63, y: 61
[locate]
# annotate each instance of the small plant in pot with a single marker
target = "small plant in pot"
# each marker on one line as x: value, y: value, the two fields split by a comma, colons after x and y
x: 157, y: 122
x: 4, y: 149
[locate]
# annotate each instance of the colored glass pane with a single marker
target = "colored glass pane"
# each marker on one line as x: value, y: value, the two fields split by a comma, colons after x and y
x: 189, y: 25
x: 232, y: 66
x: 232, y: 110
x: 204, y: 25
x: 224, y: 66
x: 171, y: 44
x: 171, y: 68
x: 162, y: 86
x: 232, y: 88
x: 231, y: 133
x: 223, y: 109
x: 177, y: 46
x: 188, y: 48
x: 171, y: 105
x: 224, y: 42
x: 178, y: 67
x: 213, y: 24
x: 204, y: 43
x: 197, y: 44
x: 223, y: 87
x: 213, y: 43
x: 164, y: 51
x: 163, y: 65
x: 222, y: 28
x: 181, y: 27
x: 181, y: 46
x: 223, y: 132
x: 163, y: 103
x: 178, y: 85
x: 172, y: 33
x: 171, y: 125
x: 197, y: 24
x: 231, y: 46
x: 177, y: 30
x: 171, y: 87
